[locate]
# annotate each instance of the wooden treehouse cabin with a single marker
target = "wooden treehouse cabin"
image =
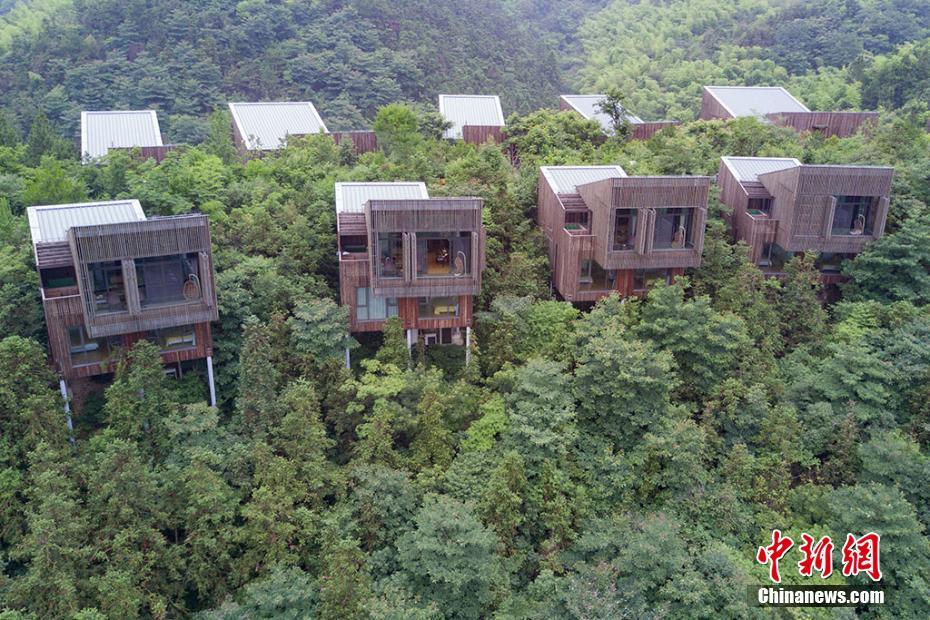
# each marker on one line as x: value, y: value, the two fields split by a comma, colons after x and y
x: 109, y: 277
x: 587, y: 107
x: 776, y: 105
x: 404, y: 254
x: 781, y: 207
x: 102, y: 131
x: 474, y: 118
x: 262, y: 127
x: 609, y: 232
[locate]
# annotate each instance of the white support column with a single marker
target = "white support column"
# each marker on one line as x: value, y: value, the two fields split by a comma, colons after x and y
x: 64, y: 395
x: 467, y: 345
x: 409, y: 340
x: 210, y: 381
x: 348, y: 359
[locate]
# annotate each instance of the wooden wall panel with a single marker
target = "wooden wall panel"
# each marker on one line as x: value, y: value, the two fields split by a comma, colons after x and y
x: 711, y: 108
x: 645, y: 130
x: 363, y: 141
x: 481, y: 134
x: 840, y: 124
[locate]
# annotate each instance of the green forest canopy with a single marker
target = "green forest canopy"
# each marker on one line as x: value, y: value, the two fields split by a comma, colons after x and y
x: 618, y: 462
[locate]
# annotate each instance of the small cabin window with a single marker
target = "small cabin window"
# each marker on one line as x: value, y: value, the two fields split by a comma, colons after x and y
x: 854, y: 215
x: 173, y: 338
x: 759, y: 206
x: 644, y: 278
x: 58, y: 277
x: 596, y: 278
x: 624, y: 229
x: 168, y: 279
x: 108, y: 290
x: 673, y: 228
x: 86, y: 351
x: 438, y: 307
x: 354, y: 244
x: 574, y: 219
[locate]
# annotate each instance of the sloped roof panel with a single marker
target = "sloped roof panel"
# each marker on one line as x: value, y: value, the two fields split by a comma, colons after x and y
x: 756, y: 100
x: 265, y: 125
x: 463, y: 110
x: 564, y: 179
x: 50, y: 223
x: 104, y: 130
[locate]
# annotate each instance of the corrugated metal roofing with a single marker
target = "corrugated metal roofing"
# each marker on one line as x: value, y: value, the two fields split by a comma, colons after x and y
x: 564, y: 179
x: 103, y: 130
x: 264, y: 125
x: 586, y: 105
x: 470, y: 110
x: 748, y: 169
x: 351, y: 197
x: 756, y: 100
x: 50, y: 223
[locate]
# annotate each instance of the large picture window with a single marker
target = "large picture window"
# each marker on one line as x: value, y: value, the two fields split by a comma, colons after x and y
x: 854, y: 215
x: 168, y: 279
x: 370, y: 307
x: 443, y: 254
x: 624, y: 230
x: 673, y: 228
x: 391, y: 255
x: 107, y: 281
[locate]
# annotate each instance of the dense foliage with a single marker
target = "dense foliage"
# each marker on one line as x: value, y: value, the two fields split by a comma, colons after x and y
x: 620, y: 461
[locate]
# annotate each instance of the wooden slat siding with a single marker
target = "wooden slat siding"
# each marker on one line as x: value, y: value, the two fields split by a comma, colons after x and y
x: 756, y: 231
x: 803, y: 202
x: 158, y: 153
x: 129, y: 240
x: 840, y: 124
x: 573, y: 247
x: 645, y: 194
x: 644, y: 131
x: 53, y: 254
x: 733, y: 195
x: 711, y: 108
x: 61, y: 312
x: 425, y: 215
x: 364, y: 141
x: 480, y: 134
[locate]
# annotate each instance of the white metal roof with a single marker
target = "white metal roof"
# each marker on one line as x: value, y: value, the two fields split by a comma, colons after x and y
x: 565, y: 179
x: 103, y: 130
x: 756, y: 100
x: 586, y: 105
x: 264, y: 125
x: 351, y: 197
x: 50, y: 223
x: 748, y: 169
x: 470, y: 110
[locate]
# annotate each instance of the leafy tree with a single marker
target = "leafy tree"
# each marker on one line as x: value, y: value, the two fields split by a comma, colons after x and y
x: 802, y: 315
x: 286, y: 592
x: 394, y: 347
x: 344, y: 583
x: 614, y: 106
x: 895, y: 267
x: 449, y: 558
x: 319, y: 331
x: 52, y: 184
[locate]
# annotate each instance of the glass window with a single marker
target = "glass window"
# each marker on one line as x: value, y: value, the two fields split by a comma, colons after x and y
x: 854, y: 215
x: 438, y: 307
x: 831, y: 262
x: 643, y: 278
x: 354, y: 243
x: 596, y: 278
x: 173, y: 338
x: 576, y: 220
x: 759, y: 206
x: 391, y: 255
x: 168, y: 279
x: 58, y: 277
x: 773, y: 257
x: 370, y: 307
x: 443, y: 254
x: 107, y: 281
x: 673, y: 228
x: 624, y: 229
x: 85, y: 350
